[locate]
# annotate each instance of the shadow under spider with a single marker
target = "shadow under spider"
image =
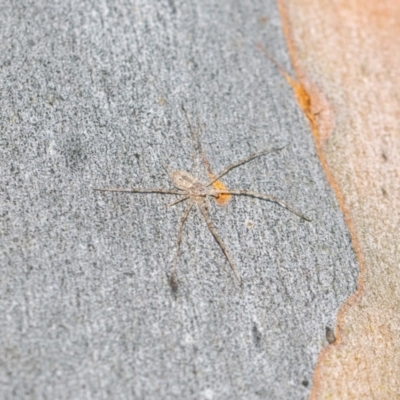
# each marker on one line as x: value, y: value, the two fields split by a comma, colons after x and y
x: 189, y: 188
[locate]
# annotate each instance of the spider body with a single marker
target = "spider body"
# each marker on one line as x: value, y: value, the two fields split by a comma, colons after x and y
x: 189, y: 188
x: 186, y: 182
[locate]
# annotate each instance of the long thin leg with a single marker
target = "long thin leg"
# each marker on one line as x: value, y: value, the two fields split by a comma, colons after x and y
x: 162, y: 191
x: 204, y: 211
x: 194, y: 143
x: 262, y: 196
x: 299, y: 90
x: 178, y: 245
x: 204, y: 160
x: 176, y: 201
x: 277, y: 65
x: 243, y: 161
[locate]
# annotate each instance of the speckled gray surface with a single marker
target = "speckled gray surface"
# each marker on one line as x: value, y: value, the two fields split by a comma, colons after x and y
x: 91, y: 96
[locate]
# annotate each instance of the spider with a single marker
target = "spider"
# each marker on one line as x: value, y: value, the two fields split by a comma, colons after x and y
x: 190, y: 188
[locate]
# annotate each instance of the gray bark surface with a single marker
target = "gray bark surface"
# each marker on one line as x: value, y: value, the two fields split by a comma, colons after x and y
x: 90, y: 97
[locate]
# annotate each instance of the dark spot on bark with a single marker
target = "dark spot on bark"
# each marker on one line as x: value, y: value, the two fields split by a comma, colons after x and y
x: 172, y: 5
x: 173, y: 283
x: 330, y: 335
x: 256, y: 336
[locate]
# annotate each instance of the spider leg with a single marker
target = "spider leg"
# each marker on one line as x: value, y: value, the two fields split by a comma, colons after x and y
x: 177, y: 201
x: 277, y: 65
x: 243, y: 161
x: 162, y: 191
x: 264, y: 197
x: 194, y: 142
x: 205, y: 162
x: 204, y: 211
x: 185, y: 214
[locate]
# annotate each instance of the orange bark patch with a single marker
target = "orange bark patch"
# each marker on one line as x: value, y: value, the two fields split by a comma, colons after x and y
x: 310, y: 100
x: 352, y: 53
x: 223, y: 198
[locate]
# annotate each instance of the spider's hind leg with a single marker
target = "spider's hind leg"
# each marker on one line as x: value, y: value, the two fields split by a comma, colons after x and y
x: 264, y: 197
x: 204, y: 211
x: 173, y: 281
